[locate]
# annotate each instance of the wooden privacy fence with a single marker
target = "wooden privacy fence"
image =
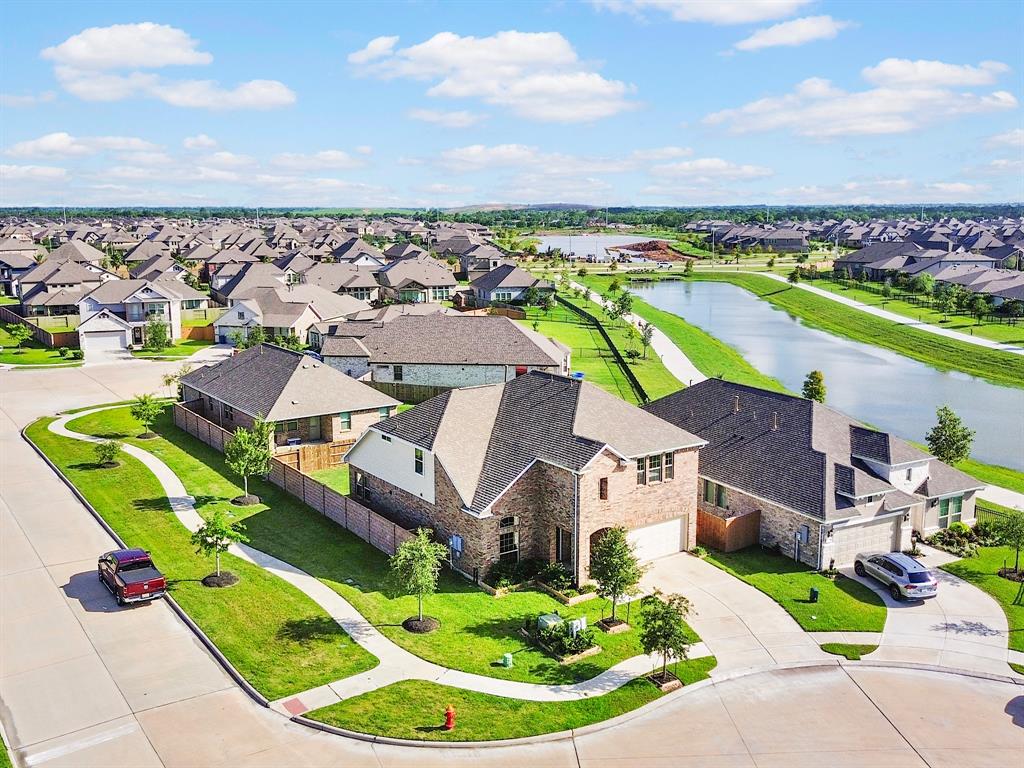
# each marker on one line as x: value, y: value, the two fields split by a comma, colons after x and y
x: 197, y: 333
x: 315, y: 456
x: 43, y: 336
x: 351, y: 515
x: 728, y: 535
x: 408, y: 393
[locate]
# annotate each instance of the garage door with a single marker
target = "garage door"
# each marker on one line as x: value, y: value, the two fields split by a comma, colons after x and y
x: 660, y: 539
x: 103, y: 341
x: 876, y: 536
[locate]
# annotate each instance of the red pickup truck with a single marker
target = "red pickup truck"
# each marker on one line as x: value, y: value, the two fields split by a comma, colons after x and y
x: 130, y: 576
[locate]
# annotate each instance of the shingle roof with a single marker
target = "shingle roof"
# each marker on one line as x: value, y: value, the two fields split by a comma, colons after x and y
x: 508, y: 276
x: 281, y: 384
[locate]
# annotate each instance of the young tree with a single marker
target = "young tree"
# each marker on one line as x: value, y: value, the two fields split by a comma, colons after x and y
x: 19, y: 333
x: 794, y: 276
x: 582, y: 272
x: 814, y: 386
x: 156, y: 335
x: 531, y: 296
x: 771, y: 262
x: 255, y: 336
x: 923, y: 283
x: 949, y: 440
x: 614, y: 566
x: 688, y: 268
x: 416, y: 565
x: 107, y: 453
x: 624, y: 303
x: 216, y: 535
x: 547, y: 303
x: 145, y: 409
x: 646, y: 336
x: 944, y: 302
x: 248, y: 453
x: 663, y: 627
x: 1010, y: 529
x: 979, y: 307
x: 614, y: 285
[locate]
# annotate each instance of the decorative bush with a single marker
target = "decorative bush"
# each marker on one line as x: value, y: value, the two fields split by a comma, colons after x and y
x: 505, y: 575
x: 77, y: 354
x: 957, y: 541
x: 699, y: 551
x: 562, y: 642
x: 556, y: 577
x: 63, y: 351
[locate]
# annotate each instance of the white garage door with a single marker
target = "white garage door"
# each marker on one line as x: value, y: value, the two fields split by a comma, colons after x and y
x: 660, y: 539
x: 103, y: 341
x: 876, y: 536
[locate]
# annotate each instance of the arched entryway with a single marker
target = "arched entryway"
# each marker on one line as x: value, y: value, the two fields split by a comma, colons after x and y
x: 595, y: 537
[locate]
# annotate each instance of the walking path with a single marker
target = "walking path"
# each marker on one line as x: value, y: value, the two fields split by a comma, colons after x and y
x: 898, y: 318
x: 395, y: 662
x: 673, y: 357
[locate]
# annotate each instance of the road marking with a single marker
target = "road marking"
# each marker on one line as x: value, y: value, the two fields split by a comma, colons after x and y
x: 75, y: 746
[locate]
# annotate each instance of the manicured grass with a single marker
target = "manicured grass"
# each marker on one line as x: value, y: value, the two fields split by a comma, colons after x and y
x: 1018, y: 668
x: 5, y: 758
x: 335, y: 478
x: 476, y: 628
x: 712, y: 357
x: 181, y: 348
x: 31, y: 353
x: 654, y: 377
x: 1013, y: 334
x: 844, y: 605
x: 278, y: 638
x: 983, y: 572
x: 9, y: 300
x: 414, y: 709
x: 852, y: 651
x: 994, y: 474
x: 1002, y: 368
x: 591, y: 355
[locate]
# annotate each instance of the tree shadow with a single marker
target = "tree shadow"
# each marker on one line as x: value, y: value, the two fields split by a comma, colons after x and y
x: 88, y: 466
x: 155, y: 504
x: 310, y: 629
x: 1015, y: 708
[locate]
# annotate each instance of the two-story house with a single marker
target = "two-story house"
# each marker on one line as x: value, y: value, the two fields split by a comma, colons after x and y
x: 537, y: 467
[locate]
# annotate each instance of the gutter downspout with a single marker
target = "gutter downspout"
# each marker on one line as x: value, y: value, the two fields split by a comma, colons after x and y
x: 576, y: 524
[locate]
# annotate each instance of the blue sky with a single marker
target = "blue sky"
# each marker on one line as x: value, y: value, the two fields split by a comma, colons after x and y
x: 613, y: 102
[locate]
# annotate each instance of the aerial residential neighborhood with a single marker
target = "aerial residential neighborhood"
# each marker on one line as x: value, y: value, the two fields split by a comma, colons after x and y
x: 583, y: 384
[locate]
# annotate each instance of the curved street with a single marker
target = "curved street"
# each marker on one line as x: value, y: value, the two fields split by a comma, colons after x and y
x: 77, y: 692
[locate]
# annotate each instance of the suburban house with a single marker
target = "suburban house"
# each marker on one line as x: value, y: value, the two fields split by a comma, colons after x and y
x: 134, y: 303
x: 359, y: 324
x: 444, y: 351
x: 237, y: 279
x: 480, y: 260
x: 506, y: 283
x: 537, y: 467
x: 796, y: 475
x: 307, y: 401
x: 417, y: 280
x: 283, y: 311
x: 349, y: 279
x: 56, y: 287
x: 159, y: 268
x: 13, y: 264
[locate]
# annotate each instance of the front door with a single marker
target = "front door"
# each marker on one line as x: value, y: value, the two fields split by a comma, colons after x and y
x: 137, y: 334
x: 314, y: 428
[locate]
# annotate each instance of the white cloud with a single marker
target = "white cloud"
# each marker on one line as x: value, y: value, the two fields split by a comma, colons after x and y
x: 536, y: 75
x: 708, y: 169
x: 377, y: 48
x: 364, y: 149
x: 709, y: 11
x: 63, y: 144
x: 18, y: 100
x: 880, y: 191
x: 328, y: 158
x: 32, y: 173
x: 931, y: 74
x: 146, y: 158
x: 227, y: 160
x: 793, y: 33
x: 457, y: 119
x: 445, y: 189
x: 200, y: 141
x: 661, y: 153
x: 1013, y: 138
x: 816, y: 108
x: 480, y: 157
x: 108, y: 63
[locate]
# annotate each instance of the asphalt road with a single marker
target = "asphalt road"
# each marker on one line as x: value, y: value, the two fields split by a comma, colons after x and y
x: 83, y: 683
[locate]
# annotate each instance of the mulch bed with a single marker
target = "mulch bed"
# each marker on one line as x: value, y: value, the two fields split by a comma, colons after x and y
x: 612, y: 627
x: 226, y: 579
x: 1012, y: 575
x: 420, y: 626
x: 667, y: 683
x: 147, y: 436
x: 110, y: 465
x: 245, y: 501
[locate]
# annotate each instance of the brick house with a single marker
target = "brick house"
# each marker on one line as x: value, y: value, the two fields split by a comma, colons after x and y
x: 795, y: 474
x: 307, y: 401
x: 536, y: 467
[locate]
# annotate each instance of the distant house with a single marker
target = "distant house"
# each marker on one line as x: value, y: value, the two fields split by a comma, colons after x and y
x: 480, y: 260
x: 417, y: 280
x: 439, y: 350
x: 307, y: 401
x: 506, y: 283
x: 822, y: 486
x: 162, y: 267
x: 359, y: 324
x: 283, y: 311
x: 358, y: 282
x: 56, y: 287
x: 537, y: 467
x: 238, y: 278
x: 16, y: 258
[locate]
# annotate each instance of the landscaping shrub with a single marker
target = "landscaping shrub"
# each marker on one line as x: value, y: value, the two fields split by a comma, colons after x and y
x: 505, y: 575
x: 986, y: 535
x: 77, y: 354
x: 699, y: 551
x: 556, y: 577
x: 562, y: 642
x: 958, y: 540
x: 63, y: 351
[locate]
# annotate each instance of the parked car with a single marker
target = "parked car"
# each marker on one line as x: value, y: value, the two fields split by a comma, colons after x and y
x: 130, y: 576
x: 902, y: 574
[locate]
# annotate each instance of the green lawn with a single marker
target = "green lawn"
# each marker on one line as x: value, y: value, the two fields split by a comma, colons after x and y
x: 4, y: 299
x: 31, y: 353
x: 994, y: 474
x: 414, y: 709
x: 852, y: 651
x: 982, y: 572
x: 278, y: 638
x: 1013, y: 334
x: 1002, y: 368
x: 335, y: 478
x: 5, y: 758
x: 476, y: 628
x: 844, y: 605
x: 181, y: 348
x: 711, y: 357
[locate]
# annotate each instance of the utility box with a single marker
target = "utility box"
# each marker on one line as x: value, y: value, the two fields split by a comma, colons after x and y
x: 506, y: 661
x: 814, y: 595
x: 548, y: 621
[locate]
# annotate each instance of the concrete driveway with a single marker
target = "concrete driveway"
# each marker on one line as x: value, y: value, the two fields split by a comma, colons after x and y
x: 961, y: 627
x: 83, y: 683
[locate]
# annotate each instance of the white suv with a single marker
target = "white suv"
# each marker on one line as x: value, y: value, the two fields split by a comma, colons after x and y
x: 905, y: 577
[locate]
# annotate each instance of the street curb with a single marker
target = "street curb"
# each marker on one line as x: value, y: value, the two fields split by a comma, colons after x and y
x: 210, y: 646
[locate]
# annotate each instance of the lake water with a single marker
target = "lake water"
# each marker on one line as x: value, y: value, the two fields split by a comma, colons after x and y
x: 588, y: 245
x: 874, y: 385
